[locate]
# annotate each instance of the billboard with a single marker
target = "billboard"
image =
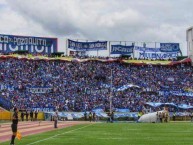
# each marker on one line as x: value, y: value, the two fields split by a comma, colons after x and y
x: 34, y: 45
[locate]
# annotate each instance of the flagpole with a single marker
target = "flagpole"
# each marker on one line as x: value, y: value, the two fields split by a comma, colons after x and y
x: 110, y: 98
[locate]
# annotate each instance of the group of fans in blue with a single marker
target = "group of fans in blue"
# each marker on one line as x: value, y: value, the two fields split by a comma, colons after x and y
x: 83, y: 86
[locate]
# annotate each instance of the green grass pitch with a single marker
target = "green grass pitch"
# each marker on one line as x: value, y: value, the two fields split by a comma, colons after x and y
x: 115, y: 134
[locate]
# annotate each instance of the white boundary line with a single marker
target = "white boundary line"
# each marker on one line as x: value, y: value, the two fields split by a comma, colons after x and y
x: 59, y: 134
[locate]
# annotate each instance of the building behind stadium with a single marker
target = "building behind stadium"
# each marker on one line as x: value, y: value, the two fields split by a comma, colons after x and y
x: 189, y: 39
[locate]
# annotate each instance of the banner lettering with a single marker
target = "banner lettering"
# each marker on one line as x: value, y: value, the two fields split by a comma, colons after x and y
x: 169, y: 47
x: 11, y: 43
x: 153, y: 53
x: 87, y: 46
x: 41, y: 90
x: 121, y: 49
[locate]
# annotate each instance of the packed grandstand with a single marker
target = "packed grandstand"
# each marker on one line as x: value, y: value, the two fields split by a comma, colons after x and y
x: 78, y: 86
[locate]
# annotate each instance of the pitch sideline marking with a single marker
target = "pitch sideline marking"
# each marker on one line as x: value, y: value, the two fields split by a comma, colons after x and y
x: 59, y: 134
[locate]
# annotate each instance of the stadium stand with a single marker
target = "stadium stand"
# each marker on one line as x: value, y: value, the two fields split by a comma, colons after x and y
x: 83, y: 86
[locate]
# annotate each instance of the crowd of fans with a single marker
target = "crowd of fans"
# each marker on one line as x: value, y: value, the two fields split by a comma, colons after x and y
x: 83, y: 86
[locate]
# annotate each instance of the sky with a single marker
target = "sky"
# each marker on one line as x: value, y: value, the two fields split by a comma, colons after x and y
x: 111, y: 20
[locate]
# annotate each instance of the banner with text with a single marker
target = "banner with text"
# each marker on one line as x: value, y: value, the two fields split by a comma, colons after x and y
x: 34, y: 45
x: 153, y: 53
x: 7, y: 87
x: 169, y: 47
x: 167, y: 92
x: 87, y: 46
x: 121, y: 49
x: 39, y: 90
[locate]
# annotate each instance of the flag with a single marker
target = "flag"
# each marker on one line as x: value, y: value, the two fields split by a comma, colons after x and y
x: 18, y: 136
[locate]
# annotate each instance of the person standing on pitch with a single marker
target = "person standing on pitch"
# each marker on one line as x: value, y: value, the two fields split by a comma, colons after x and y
x: 31, y: 115
x: 27, y: 114
x: 94, y: 116
x: 90, y: 116
x: 56, y: 119
x: 14, y: 125
x: 36, y: 115
x: 22, y: 116
x: 112, y: 117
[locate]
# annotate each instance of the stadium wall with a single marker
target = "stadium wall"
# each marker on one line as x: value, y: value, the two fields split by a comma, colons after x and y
x: 189, y: 39
x: 6, y: 115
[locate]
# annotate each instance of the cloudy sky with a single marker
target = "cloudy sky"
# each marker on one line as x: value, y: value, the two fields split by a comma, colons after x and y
x: 127, y: 20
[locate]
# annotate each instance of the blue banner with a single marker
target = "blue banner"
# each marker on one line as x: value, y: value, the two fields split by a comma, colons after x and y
x: 121, y: 49
x: 7, y: 87
x: 169, y: 47
x: 34, y: 45
x: 87, y: 46
x: 5, y: 103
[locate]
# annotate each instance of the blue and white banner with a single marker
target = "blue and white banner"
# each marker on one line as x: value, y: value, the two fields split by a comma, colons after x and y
x: 97, y: 110
x: 147, y: 49
x: 176, y: 93
x: 122, y: 110
x: 125, y: 87
x: 77, y: 115
x: 169, y: 47
x: 182, y: 93
x: 41, y: 90
x: 7, y: 87
x: 44, y: 109
x: 154, y: 104
x: 185, y: 106
x: 150, y: 55
x: 180, y: 114
x: 158, y: 104
x: 87, y: 46
x: 121, y: 115
x: 40, y: 45
x: 121, y: 49
x: 153, y: 53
